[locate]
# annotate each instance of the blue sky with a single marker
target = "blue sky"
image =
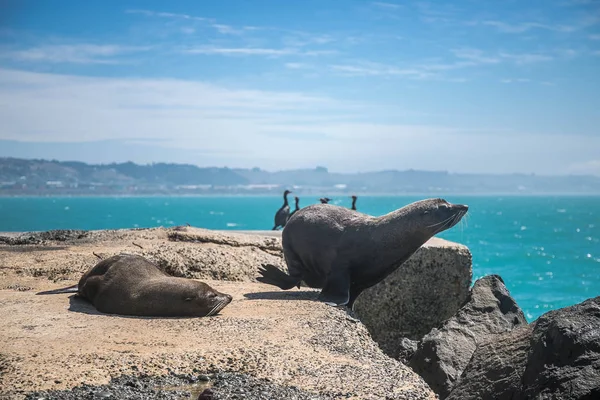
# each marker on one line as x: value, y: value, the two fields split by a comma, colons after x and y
x: 464, y: 86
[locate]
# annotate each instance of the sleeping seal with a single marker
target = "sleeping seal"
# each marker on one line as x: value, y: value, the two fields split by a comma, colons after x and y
x: 129, y: 284
x: 344, y: 252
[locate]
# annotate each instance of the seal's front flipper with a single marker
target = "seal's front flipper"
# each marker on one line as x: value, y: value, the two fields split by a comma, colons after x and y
x: 336, y: 291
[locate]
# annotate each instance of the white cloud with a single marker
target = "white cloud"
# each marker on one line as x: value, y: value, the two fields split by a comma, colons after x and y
x: 375, y: 69
x: 594, y: 37
x: 475, y: 55
x: 296, y: 65
x: 387, y: 6
x: 526, y: 58
x: 211, y: 22
x: 253, y: 51
x: 74, y: 53
x: 516, y: 80
x: 526, y: 26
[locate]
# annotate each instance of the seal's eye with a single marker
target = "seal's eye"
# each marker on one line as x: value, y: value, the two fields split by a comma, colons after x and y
x: 425, y: 212
x: 188, y: 299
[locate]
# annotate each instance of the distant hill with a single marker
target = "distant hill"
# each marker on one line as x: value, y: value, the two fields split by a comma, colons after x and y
x: 43, y: 177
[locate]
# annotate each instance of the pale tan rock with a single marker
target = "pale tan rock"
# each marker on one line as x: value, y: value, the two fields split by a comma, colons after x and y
x: 421, y: 294
x: 56, y: 342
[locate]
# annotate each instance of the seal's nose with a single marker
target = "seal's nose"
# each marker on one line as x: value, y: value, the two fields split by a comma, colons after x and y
x: 462, y: 207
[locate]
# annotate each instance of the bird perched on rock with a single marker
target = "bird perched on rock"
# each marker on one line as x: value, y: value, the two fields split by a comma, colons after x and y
x: 354, y: 202
x: 282, y: 215
x: 324, y: 200
x: 297, y: 200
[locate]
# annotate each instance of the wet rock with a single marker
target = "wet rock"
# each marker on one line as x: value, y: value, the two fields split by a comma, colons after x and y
x: 424, y: 292
x: 444, y: 353
x: 227, y: 386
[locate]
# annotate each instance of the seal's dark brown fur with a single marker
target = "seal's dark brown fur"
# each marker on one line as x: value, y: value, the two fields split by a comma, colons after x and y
x: 129, y: 284
x: 344, y: 252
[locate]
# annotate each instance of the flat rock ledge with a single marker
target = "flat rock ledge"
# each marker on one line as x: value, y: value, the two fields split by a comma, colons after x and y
x: 283, y: 339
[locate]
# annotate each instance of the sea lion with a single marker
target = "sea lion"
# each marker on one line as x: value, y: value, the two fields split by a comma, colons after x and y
x: 129, y: 284
x: 344, y: 252
x: 282, y: 215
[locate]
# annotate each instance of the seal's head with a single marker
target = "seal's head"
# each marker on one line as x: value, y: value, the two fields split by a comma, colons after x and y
x: 205, y: 301
x: 431, y: 216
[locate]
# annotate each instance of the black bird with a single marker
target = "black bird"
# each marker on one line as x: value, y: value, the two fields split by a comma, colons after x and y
x: 324, y: 200
x: 283, y: 213
x: 297, y: 206
x: 354, y: 202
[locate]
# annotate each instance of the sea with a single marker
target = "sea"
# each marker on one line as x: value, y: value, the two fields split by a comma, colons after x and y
x: 546, y: 248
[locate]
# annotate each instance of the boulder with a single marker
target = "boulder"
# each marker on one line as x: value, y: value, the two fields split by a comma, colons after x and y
x: 556, y: 357
x: 424, y: 292
x: 496, y: 368
x: 564, y: 359
x: 444, y: 353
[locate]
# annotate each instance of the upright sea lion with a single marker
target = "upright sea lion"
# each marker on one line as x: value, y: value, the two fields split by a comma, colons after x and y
x: 129, y: 284
x: 344, y: 252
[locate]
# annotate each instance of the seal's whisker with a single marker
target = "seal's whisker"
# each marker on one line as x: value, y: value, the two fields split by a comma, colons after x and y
x: 443, y: 222
x: 448, y: 223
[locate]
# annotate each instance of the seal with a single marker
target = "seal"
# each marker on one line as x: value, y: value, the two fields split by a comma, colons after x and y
x: 343, y: 252
x: 129, y: 284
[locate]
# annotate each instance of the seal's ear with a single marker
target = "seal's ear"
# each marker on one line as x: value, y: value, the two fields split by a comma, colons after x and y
x: 336, y: 291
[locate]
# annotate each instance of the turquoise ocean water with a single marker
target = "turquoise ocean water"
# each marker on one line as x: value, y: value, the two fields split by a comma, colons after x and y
x: 547, y: 249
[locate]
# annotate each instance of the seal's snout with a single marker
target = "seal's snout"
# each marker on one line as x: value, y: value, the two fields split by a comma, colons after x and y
x: 462, y: 207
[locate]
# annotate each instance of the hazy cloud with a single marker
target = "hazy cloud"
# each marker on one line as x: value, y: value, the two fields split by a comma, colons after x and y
x: 211, y: 22
x: 74, y: 53
x: 254, y: 51
x: 388, y: 6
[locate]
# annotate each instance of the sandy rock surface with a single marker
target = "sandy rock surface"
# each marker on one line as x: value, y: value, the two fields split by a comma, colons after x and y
x: 60, y: 341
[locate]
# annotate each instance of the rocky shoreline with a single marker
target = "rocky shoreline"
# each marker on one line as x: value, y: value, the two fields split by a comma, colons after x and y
x: 459, y: 342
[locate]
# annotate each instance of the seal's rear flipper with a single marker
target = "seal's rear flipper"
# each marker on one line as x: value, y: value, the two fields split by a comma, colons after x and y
x: 274, y: 276
x: 337, y: 288
x: 69, y: 289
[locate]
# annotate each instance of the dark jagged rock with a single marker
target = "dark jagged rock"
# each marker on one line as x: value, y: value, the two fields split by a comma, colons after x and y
x: 496, y: 367
x: 444, y: 353
x: 556, y: 357
x: 564, y: 360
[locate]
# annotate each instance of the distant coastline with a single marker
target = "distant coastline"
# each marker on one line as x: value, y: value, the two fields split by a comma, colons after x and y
x: 316, y: 195
x: 43, y: 178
